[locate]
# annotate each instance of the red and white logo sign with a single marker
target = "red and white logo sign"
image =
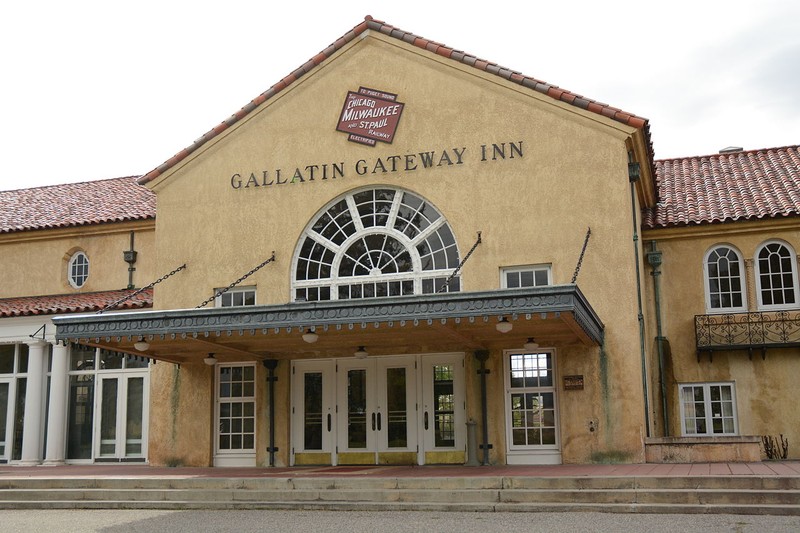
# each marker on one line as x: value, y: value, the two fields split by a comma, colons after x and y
x: 369, y: 116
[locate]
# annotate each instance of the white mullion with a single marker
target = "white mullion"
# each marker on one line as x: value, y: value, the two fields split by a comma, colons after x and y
x: 351, y: 206
x: 324, y: 241
x: 434, y: 226
x: 392, y: 216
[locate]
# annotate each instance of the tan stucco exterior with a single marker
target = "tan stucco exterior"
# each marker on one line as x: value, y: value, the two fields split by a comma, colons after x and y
x: 568, y: 173
x: 764, y: 383
x: 535, y: 180
x: 35, y: 262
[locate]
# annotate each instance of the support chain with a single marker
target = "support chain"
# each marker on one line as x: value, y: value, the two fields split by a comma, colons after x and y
x: 111, y: 306
x: 580, y: 259
x: 235, y: 283
x: 458, y: 268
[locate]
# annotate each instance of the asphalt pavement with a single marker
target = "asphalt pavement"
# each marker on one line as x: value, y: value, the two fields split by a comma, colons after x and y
x: 121, y: 521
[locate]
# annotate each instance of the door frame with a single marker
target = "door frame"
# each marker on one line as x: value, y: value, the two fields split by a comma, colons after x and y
x: 299, y: 455
x: 335, y: 378
x: 121, y: 408
x: 11, y: 381
x: 532, y: 454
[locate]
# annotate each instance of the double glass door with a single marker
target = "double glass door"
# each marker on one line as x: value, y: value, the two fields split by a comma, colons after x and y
x: 381, y: 410
x: 121, y: 417
x: 377, y: 419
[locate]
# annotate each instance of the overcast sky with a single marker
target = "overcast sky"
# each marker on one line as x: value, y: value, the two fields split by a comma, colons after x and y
x: 102, y: 89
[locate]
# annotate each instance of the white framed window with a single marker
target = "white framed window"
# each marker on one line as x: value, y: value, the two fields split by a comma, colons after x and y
x: 776, y: 276
x: 708, y: 409
x: 725, y: 288
x: 237, y: 297
x: 375, y: 242
x: 236, y: 414
x: 532, y: 431
x: 78, y: 269
x: 525, y: 276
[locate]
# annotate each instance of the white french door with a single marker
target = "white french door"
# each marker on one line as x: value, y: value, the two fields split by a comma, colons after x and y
x: 379, y: 410
x: 532, y: 429
x: 121, y: 417
x: 314, y: 412
x: 444, y: 424
x: 377, y: 419
x: 6, y: 418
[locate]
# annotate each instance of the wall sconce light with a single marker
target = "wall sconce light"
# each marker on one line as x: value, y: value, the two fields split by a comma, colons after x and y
x: 210, y: 360
x: 141, y: 345
x: 530, y: 344
x: 361, y: 353
x: 504, y: 326
x: 310, y: 336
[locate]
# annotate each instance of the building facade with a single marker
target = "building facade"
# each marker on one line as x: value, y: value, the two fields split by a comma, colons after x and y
x: 403, y: 254
x: 71, y: 249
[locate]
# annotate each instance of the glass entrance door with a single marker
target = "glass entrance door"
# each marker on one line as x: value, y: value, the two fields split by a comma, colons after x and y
x: 406, y: 409
x: 377, y: 411
x: 313, y: 412
x: 121, y: 418
x: 443, y: 409
x: 532, y: 430
x: 6, y: 415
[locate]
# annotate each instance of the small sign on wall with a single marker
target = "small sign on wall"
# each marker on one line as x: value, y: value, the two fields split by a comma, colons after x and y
x: 573, y: 382
x: 369, y: 116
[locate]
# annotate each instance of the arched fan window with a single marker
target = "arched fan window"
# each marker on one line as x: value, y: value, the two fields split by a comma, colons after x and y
x: 373, y: 243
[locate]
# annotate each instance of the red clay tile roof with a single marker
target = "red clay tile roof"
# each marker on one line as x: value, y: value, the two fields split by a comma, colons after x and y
x: 748, y: 185
x: 73, y: 303
x: 76, y: 204
x: 432, y: 46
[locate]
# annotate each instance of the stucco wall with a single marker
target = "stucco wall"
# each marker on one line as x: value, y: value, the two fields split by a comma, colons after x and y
x: 36, y: 262
x: 765, y: 388
x: 533, y: 208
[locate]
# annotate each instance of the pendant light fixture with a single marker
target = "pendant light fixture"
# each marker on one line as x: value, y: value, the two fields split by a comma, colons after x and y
x: 504, y: 326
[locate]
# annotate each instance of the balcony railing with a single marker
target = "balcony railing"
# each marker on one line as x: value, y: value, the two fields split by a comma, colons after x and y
x: 747, y: 331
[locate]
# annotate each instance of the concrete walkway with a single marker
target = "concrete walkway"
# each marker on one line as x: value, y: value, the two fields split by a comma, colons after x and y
x: 760, y: 469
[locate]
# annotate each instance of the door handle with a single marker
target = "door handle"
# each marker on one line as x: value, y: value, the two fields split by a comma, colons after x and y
x: 329, y: 421
x: 373, y: 421
x: 426, y: 420
x: 379, y: 421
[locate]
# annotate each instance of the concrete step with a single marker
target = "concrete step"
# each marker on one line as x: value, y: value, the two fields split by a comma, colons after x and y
x: 701, y: 494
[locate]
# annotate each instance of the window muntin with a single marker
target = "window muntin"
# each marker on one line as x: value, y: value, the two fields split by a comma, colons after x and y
x: 708, y: 409
x: 526, y: 276
x: 776, y: 276
x: 724, y: 280
x: 78, y: 270
x: 242, y: 296
x: 376, y: 242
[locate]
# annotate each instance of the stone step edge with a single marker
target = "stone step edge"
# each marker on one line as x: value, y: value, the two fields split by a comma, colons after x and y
x: 649, y: 508
x: 446, y: 491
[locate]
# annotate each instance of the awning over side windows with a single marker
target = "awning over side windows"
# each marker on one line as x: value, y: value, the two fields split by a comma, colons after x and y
x: 554, y: 315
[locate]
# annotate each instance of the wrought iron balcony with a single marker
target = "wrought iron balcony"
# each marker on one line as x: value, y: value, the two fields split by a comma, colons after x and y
x: 747, y: 331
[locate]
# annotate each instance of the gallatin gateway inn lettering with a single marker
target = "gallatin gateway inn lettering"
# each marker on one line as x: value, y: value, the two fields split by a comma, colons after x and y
x: 379, y: 165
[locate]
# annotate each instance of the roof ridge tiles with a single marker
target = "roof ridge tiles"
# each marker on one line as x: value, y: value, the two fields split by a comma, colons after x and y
x: 370, y: 23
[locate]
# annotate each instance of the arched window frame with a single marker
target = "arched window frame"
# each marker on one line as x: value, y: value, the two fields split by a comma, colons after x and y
x: 741, y: 277
x: 78, y: 269
x: 417, y: 275
x: 792, y: 256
